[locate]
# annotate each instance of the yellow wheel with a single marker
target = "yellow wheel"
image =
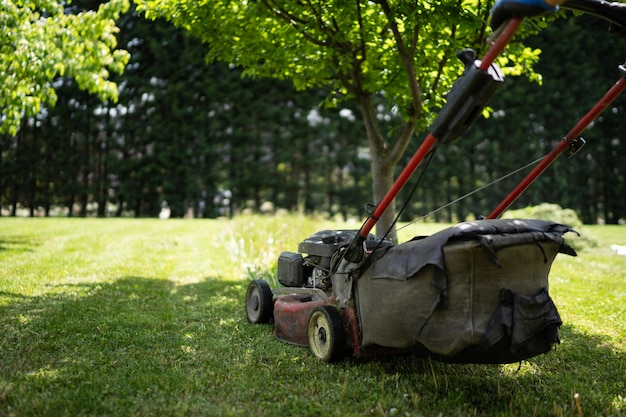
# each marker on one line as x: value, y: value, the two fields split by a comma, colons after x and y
x: 327, y: 334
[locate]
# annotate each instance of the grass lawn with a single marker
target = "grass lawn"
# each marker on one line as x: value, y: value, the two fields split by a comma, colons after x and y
x: 122, y: 317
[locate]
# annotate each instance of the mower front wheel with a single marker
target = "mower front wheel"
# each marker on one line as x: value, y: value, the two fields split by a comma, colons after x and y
x: 259, y: 302
x: 327, y: 334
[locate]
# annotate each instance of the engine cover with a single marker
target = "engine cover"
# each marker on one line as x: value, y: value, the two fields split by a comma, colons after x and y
x: 326, y: 242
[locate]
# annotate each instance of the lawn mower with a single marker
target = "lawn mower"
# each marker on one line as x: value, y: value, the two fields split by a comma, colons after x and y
x: 476, y: 292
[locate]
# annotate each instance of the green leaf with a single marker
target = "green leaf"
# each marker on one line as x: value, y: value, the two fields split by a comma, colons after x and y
x: 82, y: 46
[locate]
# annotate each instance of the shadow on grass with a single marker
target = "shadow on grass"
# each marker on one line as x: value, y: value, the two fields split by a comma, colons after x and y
x: 19, y: 244
x: 138, y: 346
x: 583, y: 376
x: 125, y: 347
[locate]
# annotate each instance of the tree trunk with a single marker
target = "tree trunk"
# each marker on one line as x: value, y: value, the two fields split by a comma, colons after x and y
x: 382, y: 180
x: 384, y: 159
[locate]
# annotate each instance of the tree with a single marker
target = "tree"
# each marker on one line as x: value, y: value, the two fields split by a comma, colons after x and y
x: 399, y: 52
x: 40, y: 40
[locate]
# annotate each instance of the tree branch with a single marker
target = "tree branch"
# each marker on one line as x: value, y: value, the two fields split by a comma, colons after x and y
x: 407, y: 57
x: 294, y: 22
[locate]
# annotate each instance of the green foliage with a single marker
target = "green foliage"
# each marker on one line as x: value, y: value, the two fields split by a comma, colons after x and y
x: 555, y: 213
x: 547, y: 211
x: 146, y: 317
x: 401, y: 51
x: 183, y: 130
x: 39, y: 42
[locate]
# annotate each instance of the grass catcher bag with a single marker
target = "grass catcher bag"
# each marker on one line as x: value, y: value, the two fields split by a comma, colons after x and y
x: 476, y: 292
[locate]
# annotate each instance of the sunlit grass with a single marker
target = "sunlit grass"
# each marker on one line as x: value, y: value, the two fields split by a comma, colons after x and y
x: 125, y: 317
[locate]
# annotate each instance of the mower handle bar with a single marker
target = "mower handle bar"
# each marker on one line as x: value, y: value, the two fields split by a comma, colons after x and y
x: 354, y: 252
x: 613, y: 12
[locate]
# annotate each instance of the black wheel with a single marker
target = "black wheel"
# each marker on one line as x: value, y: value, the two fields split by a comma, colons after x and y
x: 326, y: 334
x: 259, y: 303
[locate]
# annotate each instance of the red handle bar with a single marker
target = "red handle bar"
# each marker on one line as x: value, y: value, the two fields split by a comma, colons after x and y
x: 496, y: 48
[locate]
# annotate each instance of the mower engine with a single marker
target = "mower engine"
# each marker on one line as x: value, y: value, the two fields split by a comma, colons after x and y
x: 312, y: 266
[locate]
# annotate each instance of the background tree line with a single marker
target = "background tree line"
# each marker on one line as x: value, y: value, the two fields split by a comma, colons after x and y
x: 201, y: 137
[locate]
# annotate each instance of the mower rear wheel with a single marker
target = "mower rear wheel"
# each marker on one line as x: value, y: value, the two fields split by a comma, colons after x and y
x: 259, y: 303
x: 327, y: 334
